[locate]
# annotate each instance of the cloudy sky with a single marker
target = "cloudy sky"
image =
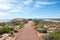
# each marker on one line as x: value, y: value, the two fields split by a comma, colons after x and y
x: 29, y: 9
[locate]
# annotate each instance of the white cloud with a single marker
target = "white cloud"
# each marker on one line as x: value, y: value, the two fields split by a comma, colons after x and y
x: 4, y: 6
x: 45, y: 3
x: 10, y: 6
x: 7, y: 4
x: 8, y: 1
x: 27, y: 2
x: 16, y: 10
x: 18, y: 5
x: 13, y: 11
x: 3, y: 14
x: 41, y: 3
x: 38, y: 6
x: 2, y: 0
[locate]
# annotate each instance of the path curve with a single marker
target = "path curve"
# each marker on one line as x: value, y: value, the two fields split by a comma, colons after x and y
x: 28, y: 32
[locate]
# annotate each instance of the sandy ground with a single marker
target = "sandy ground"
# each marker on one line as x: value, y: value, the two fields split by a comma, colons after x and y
x: 28, y: 32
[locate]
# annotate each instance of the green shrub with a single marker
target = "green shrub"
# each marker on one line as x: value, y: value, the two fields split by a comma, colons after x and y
x: 42, y: 30
x: 25, y: 21
x: 55, y: 35
x: 4, y: 30
x: 2, y: 24
x: 21, y: 26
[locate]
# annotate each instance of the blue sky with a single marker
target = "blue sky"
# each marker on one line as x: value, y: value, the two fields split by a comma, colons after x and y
x: 10, y: 9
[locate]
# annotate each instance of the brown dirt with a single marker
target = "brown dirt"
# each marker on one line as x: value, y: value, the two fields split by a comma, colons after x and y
x: 28, y: 32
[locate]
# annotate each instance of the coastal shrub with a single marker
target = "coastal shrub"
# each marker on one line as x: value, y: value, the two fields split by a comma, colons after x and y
x: 41, y: 30
x: 4, y: 30
x: 25, y: 21
x: 15, y: 31
x: 2, y: 24
x: 46, y: 36
x: 12, y: 34
x: 55, y: 35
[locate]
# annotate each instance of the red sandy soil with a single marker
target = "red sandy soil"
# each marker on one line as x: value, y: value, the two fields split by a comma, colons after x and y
x: 28, y: 32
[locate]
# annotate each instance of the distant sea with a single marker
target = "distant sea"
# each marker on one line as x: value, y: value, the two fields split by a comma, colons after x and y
x: 4, y: 20
x: 7, y: 20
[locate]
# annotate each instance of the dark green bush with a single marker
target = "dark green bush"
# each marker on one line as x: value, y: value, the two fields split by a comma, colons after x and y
x: 4, y: 30
x: 15, y: 31
x: 42, y: 30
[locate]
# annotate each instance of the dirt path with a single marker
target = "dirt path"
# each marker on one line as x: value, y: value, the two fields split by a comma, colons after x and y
x: 28, y: 32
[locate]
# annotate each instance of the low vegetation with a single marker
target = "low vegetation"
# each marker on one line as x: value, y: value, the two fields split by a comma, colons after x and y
x: 51, y: 29
x: 4, y: 30
x: 12, y: 26
x: 55, y: 35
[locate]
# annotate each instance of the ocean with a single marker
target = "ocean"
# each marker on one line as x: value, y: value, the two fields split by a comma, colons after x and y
x: 4, y: 20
